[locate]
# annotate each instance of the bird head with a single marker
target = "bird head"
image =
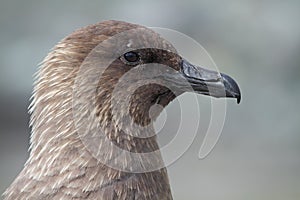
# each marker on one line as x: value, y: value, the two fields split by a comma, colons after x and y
x: 137, y: 72
x: 117, y: 77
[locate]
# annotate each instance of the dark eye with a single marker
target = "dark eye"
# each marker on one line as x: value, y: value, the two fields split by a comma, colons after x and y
x: 131, y: 57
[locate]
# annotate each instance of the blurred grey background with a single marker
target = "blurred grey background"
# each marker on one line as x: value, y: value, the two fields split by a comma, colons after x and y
x: 257, y: 42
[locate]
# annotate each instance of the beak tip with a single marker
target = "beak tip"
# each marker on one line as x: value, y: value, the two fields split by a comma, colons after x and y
x: 238, y: 99
x: 231, y: 87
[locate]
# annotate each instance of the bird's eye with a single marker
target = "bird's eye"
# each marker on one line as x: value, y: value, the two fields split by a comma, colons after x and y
x: 131, y: 57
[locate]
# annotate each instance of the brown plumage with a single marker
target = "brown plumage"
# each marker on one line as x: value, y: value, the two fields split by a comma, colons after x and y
x: 61, y: 165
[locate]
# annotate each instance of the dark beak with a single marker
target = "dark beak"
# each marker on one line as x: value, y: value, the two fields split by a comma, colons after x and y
x: 208, y: 82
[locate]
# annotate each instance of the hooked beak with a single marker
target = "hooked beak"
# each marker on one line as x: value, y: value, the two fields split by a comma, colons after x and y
x: 208, y: 82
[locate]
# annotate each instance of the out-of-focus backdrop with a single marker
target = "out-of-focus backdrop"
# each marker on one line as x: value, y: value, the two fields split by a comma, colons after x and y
x: 257, y: 42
